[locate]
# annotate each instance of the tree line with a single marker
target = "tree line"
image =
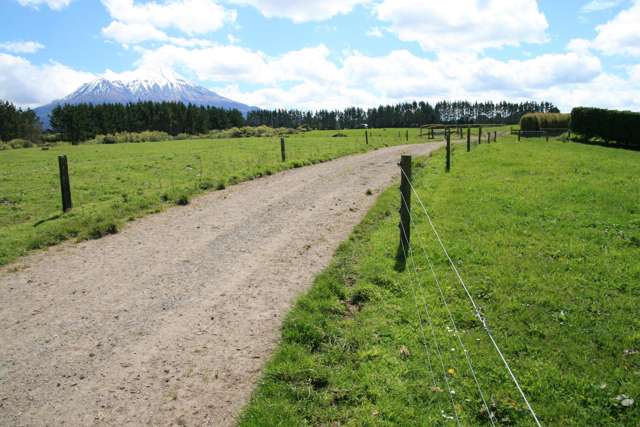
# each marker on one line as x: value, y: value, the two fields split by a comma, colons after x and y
x: 16, y: 123
x: 408, y: 114
x: 84, y: 121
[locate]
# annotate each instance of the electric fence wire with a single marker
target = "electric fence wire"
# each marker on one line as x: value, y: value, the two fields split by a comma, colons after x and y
x: 408, y: 255
x: 474, y: 305
x: 451, y: 318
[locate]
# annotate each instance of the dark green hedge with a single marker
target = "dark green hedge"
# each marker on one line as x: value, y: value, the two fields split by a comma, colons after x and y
x: 622, y: 127
x: 538, y: 121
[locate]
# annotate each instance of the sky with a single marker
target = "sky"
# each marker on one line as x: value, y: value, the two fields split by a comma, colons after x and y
x: 312, y: 54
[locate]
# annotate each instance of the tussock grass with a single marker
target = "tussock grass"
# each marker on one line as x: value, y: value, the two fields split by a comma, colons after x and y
x: 112, y: 184
x: 547, y: 237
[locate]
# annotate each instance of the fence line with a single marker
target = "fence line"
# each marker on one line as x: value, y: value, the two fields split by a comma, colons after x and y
x: 455, y: 327
x: 476, y: 309
x: 409, y: 254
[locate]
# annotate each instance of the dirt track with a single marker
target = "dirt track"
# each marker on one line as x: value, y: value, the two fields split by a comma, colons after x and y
x: 170, y: 321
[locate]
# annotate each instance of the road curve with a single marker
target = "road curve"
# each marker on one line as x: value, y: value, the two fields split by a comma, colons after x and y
x: 170, y: 321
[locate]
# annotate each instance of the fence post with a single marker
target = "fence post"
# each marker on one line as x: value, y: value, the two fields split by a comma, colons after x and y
x: 468, y: 139
x: 432, y: 135
x: 495, y: 136
x: 488, y: 137
x: 448, y: 162
x: 480, y: 135
x: 546, y: 134
x: 65, y: 186
x: 366, y: 137
x: 405, y: 203
x: 407, y: 135
x: 282, y: 149
x: 519, y: 134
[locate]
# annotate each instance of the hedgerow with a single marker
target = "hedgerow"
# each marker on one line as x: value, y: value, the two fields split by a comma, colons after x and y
x: 622, y: 127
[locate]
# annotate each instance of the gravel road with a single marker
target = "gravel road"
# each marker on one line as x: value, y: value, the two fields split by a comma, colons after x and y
x: 170, y: 321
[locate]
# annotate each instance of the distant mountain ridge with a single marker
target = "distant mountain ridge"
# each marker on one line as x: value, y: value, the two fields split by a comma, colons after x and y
x: 158, y: 88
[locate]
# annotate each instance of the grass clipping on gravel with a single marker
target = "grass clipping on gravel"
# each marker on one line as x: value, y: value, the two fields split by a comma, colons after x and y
x: 546, y: 235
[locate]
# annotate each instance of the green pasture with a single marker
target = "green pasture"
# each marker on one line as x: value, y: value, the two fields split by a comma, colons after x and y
x: 546, y: 236
x: 112, y: 184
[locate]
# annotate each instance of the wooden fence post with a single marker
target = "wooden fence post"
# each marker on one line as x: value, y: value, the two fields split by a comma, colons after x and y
x: 495, y: 136
x: 468, y: 139
x: 283, y: 151
x: 65, y: 186
x: 519, y: 134
x: 448, y: 158
x: 488, y: 137
x: 405, y: 203
x: 480, y: 135
x: 407, y: 135
x: 366, y: 137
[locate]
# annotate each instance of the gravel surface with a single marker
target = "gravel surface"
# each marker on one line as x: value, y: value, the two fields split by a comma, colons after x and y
x: 170, y: 321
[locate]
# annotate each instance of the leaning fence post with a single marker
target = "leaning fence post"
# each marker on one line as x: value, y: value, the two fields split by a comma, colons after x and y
x: 448, y: 163
x: 405, y: 203
x: 468, y: 139
x: 65, y: 186
x: 282, y: 149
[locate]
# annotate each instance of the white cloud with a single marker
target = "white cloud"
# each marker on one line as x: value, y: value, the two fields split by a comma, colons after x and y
x: 375, y: 32
x: 464, y: 25
x: 21, y: 46
x: 133, y: 33
x: 309, y: 78
x: 136, y: 23
x: 302, y: 10
x: 53, y: 4
x: 22, y: 82
x: 599, y: 5
x: 620, y: 35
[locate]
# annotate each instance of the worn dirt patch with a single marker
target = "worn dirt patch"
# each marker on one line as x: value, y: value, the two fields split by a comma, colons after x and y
x: 170, y: 321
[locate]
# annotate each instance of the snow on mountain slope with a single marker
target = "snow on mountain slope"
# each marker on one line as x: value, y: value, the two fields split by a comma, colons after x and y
x: 131, y: 87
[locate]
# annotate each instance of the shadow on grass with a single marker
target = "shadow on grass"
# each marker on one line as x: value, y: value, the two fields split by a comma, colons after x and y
x: 42, y: 221
x: 401, y: 259
x: 605, y: 144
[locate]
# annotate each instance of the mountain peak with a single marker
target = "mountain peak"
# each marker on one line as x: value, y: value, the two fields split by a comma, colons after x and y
x: 137, y: 86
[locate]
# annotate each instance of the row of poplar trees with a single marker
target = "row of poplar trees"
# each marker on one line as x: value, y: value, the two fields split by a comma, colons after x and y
x: 409, y: 114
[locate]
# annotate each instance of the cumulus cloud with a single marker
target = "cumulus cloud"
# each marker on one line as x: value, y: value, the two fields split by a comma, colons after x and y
x: 620, y: 36
x: 309, y: 78
x: 464, y: 25
x: 53, y: 4
x: 137, y: 23
x: 599, y: 5
x: 302, y: 10
x: 22, y: 82
x: 21, y: 46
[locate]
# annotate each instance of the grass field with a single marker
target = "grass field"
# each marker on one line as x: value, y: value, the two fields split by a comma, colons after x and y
x: 112, y: 184
x: 546, y: 235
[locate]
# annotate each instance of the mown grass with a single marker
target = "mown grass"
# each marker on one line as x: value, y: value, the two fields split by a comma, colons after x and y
x: 546, y: 235
x: 112, y: 184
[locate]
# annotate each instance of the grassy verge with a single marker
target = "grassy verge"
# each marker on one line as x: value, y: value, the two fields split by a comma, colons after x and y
x: 547, y: 236
x: 112, y: 184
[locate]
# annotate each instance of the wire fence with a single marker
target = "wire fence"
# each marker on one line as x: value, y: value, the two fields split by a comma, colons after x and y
x: 413, y: 260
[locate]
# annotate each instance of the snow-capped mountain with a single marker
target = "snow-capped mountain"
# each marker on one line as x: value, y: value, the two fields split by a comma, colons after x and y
x: 134, y: 88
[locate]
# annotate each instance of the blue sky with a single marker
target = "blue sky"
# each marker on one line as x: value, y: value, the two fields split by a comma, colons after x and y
x: 330, y: 53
